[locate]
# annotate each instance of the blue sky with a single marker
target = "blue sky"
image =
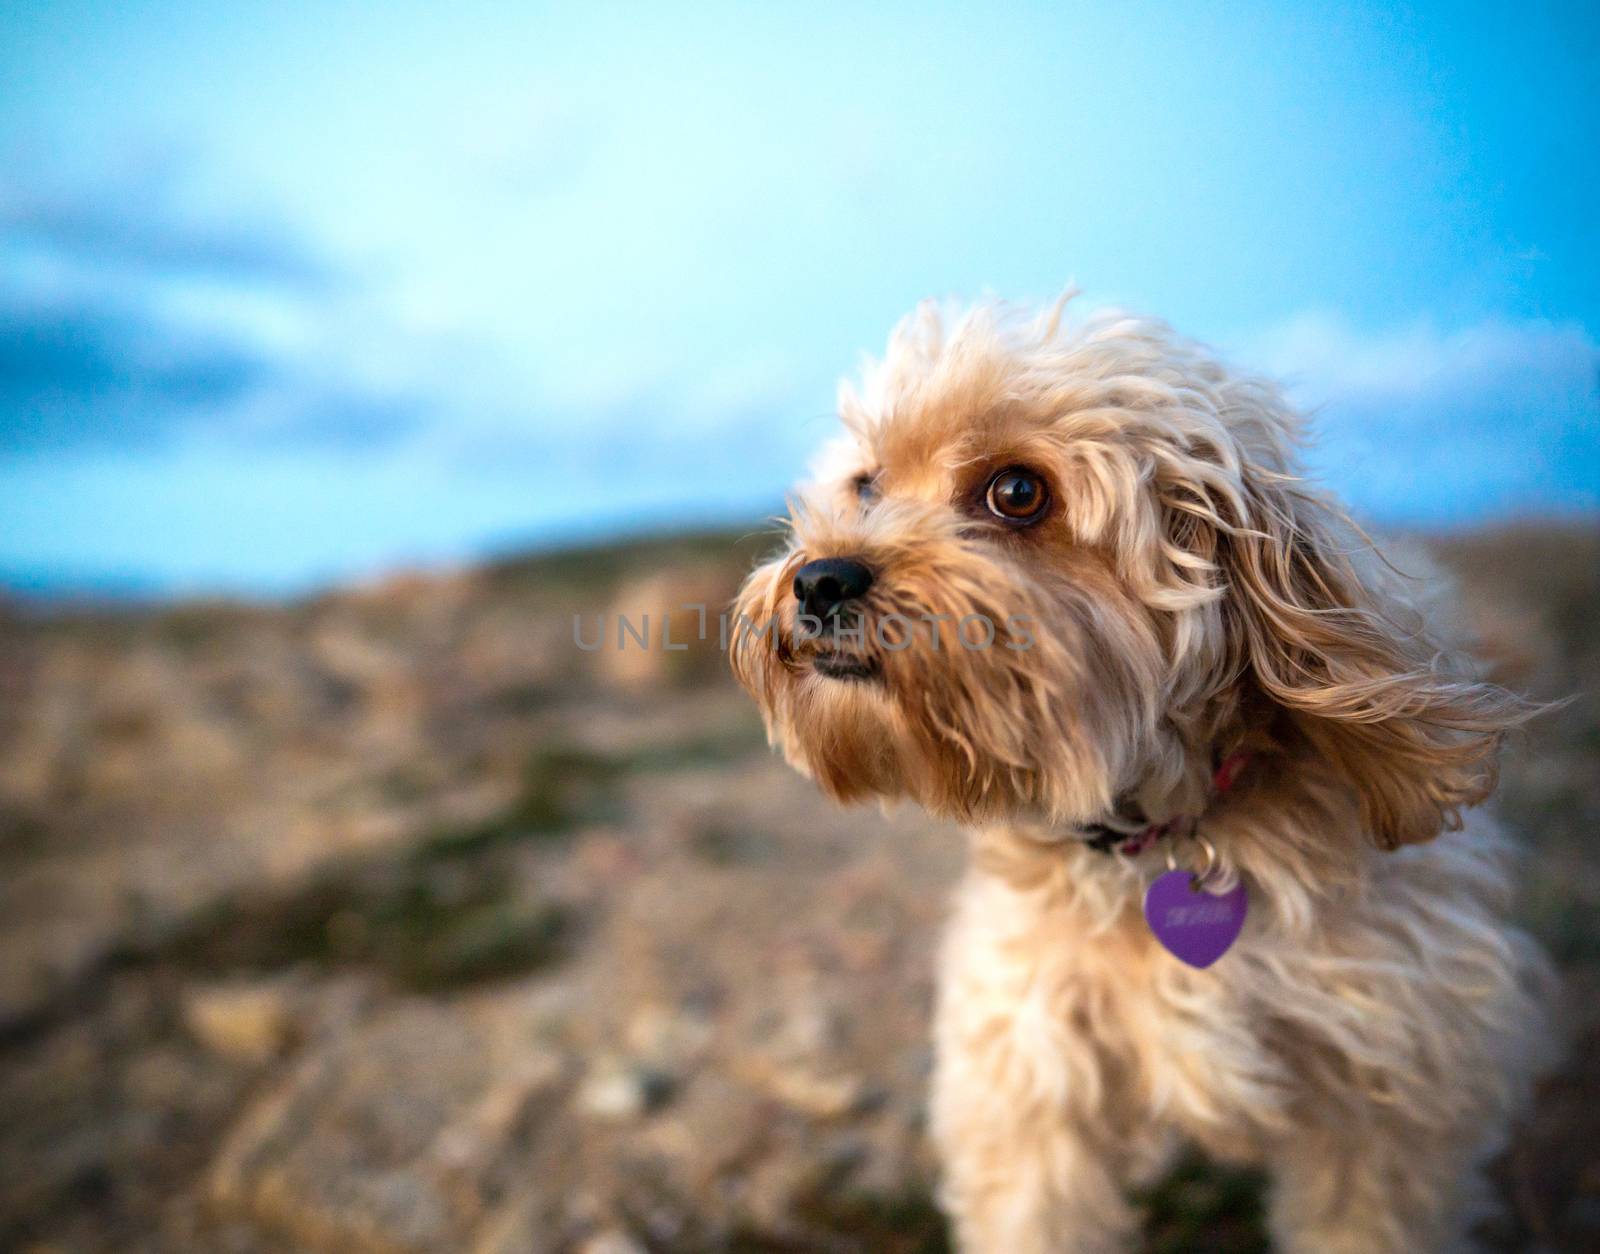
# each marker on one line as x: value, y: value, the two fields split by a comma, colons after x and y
x: 291, y: 293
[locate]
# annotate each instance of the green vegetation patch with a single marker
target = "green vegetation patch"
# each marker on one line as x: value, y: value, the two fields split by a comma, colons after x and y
x: 601, y: 567
x: 424, y: 928
x: 451, y: 910
x: 1201, y: 1206
x: 563, y: 787
x: 560, y: 788
x: 908, y: 1222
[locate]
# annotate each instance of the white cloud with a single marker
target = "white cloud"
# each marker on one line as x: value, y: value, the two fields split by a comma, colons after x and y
x: 1322, y: 354
x: 1419, y: 425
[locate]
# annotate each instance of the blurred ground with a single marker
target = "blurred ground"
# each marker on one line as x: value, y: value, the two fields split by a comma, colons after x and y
x: 393, y: 921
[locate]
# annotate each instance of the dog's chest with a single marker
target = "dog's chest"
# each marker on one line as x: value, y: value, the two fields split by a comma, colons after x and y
x: 1073, y: 993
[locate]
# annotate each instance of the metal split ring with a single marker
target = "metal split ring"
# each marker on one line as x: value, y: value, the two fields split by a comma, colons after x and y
x: 1204, y: 873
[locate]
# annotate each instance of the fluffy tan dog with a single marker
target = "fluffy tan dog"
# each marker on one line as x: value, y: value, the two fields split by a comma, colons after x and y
x: 1052, y: 579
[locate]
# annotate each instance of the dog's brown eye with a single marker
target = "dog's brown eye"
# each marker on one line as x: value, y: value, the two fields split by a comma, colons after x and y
x: 1018, y: 495
x: 866, y: 486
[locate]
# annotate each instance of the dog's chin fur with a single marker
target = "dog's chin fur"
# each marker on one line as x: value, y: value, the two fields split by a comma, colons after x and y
x: 1185, y: 596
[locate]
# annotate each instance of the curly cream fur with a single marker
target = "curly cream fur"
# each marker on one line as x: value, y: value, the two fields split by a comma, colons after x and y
x: 1187, y: 595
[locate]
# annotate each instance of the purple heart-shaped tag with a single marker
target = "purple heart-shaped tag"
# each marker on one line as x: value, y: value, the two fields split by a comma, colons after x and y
x: 1196, y: 926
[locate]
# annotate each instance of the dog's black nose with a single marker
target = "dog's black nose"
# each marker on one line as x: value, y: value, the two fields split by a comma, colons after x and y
x: 822, y: 586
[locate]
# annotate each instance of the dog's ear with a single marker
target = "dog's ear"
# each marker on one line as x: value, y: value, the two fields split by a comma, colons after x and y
x: 1368, y: 693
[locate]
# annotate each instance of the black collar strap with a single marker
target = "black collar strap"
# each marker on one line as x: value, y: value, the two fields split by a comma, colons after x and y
x: 1106, y: 839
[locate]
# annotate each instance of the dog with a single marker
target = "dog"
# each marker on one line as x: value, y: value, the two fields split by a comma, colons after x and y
x: 1063, y: 580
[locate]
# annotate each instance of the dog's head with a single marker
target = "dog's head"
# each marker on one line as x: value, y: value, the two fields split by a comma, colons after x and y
x: 1047, y: 568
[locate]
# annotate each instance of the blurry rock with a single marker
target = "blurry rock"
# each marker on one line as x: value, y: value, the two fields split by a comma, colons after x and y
x: 811, y: 1092
x: 249, y: 1023
x: 618, y: 1091
x: 676, y: 613
x: 802, y: 1050
x: 808, y: 1022
x: 670, y: 1038
x: 611, y: 1241
x: 774, y: 1189
x: 477, y: 1134
x: 405, y: 1135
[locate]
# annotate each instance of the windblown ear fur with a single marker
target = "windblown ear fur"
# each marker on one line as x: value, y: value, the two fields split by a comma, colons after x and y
x: 1372, y: 698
